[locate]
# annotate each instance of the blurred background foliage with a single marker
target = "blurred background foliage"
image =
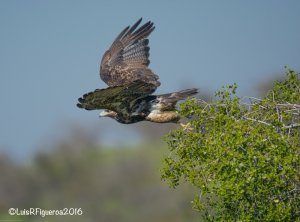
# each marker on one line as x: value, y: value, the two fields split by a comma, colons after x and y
x: 108, y: 184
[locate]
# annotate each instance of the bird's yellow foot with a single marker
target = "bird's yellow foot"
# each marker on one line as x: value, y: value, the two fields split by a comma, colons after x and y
x: 186, y: 127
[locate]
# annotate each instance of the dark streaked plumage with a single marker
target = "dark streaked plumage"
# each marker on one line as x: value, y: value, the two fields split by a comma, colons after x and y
x: 128, y: 57
x: 124, y: 68
x: 133, y: 102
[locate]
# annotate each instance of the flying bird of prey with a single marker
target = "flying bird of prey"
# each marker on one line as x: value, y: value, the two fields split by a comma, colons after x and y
x: 124, y: 68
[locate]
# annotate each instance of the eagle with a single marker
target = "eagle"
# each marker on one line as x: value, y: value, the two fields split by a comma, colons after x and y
x: 131, y: 83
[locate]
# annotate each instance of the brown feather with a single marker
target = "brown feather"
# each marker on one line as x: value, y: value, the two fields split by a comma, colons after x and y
x: 127, y: 59
x: 164, y: 117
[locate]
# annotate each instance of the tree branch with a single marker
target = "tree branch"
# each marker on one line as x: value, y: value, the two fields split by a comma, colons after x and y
x: 294, y: 125
x: 259, y: 121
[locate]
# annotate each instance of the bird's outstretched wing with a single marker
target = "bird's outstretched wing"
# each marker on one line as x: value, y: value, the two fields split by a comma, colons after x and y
x: 116, y: 98
x: 127, y: 59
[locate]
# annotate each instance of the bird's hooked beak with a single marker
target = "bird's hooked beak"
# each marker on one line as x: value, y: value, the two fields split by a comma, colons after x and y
x: 107, y: 113
x: 104, y: 113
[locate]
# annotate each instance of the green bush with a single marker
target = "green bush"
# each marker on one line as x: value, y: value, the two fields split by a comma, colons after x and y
x: 242, y: 154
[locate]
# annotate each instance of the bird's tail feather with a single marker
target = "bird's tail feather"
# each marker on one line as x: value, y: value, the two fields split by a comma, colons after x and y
x: 176, y: 96
x: 185, y: 93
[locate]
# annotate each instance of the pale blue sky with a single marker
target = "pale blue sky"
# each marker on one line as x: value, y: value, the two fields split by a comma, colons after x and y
x: 50, y: 52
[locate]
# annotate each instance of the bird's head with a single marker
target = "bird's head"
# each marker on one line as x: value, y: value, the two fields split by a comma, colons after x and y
x: 108, y: 113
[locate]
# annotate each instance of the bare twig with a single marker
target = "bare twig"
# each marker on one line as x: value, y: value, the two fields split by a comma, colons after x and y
x: 297, y: 106
x: 294, y: 125
x: 259, y: 121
